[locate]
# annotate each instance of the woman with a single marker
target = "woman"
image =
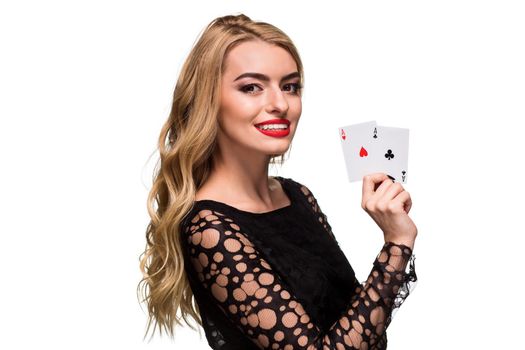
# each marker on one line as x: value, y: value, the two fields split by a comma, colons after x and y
x: 257, y: 252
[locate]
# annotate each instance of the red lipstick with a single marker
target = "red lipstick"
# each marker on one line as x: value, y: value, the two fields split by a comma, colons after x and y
x: 277, y: 132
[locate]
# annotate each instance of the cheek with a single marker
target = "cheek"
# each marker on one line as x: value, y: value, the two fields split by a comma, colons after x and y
x: 228, y: 109
x: 236, y: 108
x: 298, y: 105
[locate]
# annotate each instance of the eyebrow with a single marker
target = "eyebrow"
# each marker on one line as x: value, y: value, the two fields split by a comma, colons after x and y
x: 263, y: 77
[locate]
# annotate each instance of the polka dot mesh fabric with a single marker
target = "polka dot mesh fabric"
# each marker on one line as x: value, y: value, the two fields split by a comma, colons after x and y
x: 258, y: 302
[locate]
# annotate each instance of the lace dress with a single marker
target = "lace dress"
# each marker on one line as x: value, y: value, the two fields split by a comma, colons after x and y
x: 279, y: 280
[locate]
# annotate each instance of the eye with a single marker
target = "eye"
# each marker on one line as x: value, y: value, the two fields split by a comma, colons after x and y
x: 248, y: 88
x: 296, y: 86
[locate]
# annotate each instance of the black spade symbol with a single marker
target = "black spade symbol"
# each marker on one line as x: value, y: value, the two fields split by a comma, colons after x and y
x: 389, y: 155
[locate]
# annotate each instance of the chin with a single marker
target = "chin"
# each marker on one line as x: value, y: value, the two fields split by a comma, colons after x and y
x: 278, y: 152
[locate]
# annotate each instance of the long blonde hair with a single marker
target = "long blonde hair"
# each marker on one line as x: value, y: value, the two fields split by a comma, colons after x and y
x: 186, y: 144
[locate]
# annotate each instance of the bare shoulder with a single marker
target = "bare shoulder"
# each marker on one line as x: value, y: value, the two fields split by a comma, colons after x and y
x: 280, y: 194
x: 203, y: 193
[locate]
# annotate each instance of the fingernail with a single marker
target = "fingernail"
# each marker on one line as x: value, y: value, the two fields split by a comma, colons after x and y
x: 391, y: 178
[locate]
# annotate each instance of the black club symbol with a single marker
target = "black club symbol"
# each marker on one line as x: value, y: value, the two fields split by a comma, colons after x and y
x: 389, y: 155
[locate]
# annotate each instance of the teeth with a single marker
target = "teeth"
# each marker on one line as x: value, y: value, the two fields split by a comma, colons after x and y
x: 273, y: 126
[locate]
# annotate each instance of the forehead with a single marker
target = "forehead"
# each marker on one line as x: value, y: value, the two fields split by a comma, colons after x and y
x: 261, y: 57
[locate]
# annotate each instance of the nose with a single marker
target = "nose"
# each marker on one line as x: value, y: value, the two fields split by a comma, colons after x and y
x: 277, y: 101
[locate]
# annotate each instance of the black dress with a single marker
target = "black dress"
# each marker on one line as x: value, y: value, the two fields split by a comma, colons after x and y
x: 279, y: 280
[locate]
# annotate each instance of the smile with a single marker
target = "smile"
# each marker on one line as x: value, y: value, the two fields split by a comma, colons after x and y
x: 274, y: 130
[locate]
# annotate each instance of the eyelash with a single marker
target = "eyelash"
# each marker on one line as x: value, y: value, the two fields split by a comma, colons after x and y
x: 297, y: 86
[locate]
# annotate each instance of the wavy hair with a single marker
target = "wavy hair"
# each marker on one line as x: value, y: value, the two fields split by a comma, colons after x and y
x: 186, y: 143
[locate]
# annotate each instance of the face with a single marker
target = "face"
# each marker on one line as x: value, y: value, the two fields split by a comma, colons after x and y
x: 273, y: 94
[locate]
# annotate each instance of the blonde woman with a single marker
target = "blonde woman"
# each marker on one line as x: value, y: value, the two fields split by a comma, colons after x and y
x: 256, y: 252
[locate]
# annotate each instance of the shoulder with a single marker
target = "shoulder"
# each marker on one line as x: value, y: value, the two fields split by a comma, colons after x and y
x: 301, y: 187
x: 314, y: 206
x: 208, y: 228
x: 307, y: 195
x: 201, y: 216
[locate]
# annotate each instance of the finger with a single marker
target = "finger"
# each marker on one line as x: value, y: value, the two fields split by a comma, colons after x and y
x: 369, y: 183
x: 404, y: 199
x: 391, y: 191
x: 382, y: 190
x: 408, y: 206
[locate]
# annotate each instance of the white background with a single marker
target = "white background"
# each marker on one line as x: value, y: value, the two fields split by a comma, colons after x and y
x: 86, y: 86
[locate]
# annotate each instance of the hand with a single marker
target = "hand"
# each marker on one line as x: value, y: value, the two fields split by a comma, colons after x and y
x: 389, y: 206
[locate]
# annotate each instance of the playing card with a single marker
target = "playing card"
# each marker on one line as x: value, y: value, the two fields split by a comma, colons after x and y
x: 369, y: 148
x: 356, y: 140
x: 389, y: 152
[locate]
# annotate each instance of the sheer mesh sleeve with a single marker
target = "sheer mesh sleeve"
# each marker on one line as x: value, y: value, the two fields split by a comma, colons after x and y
x: 253, y: 296
x: 410, y: 276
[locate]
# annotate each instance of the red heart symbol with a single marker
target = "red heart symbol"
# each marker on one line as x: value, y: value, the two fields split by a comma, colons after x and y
x: 363, y: 152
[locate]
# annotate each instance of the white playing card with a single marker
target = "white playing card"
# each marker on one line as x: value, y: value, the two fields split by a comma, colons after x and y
x: 355, y: 141
x: 389, y: 152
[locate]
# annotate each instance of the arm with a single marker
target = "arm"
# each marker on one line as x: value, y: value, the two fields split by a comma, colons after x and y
x: 410, y: 276
x: 253, y: 296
